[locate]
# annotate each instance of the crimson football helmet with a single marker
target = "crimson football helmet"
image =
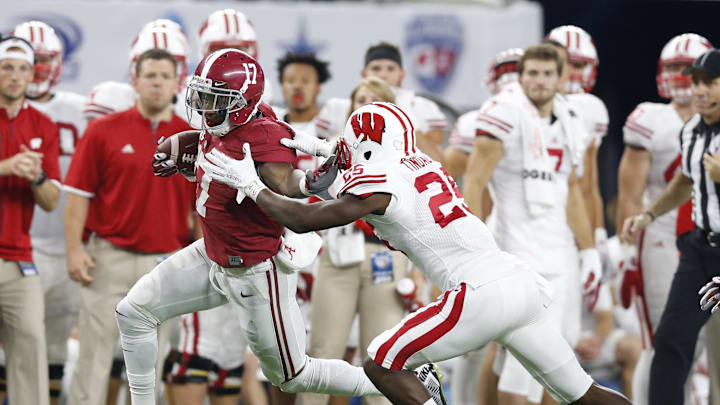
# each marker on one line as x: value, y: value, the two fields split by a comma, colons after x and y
x: 503, y: 69
x: 224, y: 92
x: 227, y: 28
x: 48, y: 55
x: 682, y: 49
x: 581, y: 50
x: 374, y: 133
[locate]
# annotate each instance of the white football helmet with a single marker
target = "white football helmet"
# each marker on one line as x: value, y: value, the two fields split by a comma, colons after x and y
x: 375, y: 133
x: 164, y: 38
x: 48, y: 55
x: 503, y: 69
x: 227, y: 28
x: 681, y: 49
x: 581, y: 49
x: 165, y: 23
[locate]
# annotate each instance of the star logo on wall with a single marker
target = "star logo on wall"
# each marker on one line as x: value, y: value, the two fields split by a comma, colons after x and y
x: 302, y: 43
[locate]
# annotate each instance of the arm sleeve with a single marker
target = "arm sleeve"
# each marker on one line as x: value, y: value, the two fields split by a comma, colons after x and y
x: 363, y: 180
x: 51, y: 151
x: 497, y: 119
x: 83, y: 177
x: 636, y: 131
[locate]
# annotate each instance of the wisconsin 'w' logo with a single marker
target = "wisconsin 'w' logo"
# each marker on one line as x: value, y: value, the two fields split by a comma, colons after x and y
x: 368, y: 126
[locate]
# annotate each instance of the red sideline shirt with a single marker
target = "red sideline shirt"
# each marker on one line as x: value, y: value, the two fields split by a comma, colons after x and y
x: 36, y: 131
x: 240, y: 235
x: 129, y: 206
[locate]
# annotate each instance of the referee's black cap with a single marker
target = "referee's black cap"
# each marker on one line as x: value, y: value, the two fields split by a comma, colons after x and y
x: 709, y: 62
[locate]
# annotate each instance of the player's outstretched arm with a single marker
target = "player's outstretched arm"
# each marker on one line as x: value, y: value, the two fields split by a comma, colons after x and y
x: 301, y: 217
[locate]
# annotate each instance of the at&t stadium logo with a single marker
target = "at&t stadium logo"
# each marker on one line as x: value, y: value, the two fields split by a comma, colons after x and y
x: 434, y: 44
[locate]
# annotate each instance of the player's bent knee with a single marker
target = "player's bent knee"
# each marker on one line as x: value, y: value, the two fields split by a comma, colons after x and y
x: 131, y: 320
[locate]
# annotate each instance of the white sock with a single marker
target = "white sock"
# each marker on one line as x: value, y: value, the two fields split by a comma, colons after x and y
x: 330, y: 376
x: 428, y: 402
x: 138, y: 338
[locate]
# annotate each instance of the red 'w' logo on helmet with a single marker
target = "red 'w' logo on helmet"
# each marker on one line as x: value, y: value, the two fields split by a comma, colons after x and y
x: 369, y: 125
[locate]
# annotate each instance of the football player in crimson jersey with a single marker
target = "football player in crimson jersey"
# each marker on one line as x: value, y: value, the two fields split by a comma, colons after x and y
x: 48, y: 231
x: 650, y: 160
x: 242, y: 258
x: 415, y: 206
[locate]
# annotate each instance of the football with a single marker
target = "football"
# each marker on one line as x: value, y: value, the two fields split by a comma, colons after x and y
x: 183, y: 149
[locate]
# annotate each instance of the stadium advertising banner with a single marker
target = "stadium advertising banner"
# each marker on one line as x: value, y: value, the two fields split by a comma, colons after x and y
x: 446, y: 48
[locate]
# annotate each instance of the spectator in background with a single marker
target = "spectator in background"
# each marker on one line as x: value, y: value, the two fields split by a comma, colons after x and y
x: 136, y: 219
x: 301, y: 78
x: 29, y: 175
x: 48, y: 232
x: 357, y: 274
x: 384, y: 61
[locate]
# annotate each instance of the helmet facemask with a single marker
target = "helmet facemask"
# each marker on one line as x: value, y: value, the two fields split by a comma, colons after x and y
x: 209, y: 105
x: 47, y: 73
x: 672, y: 84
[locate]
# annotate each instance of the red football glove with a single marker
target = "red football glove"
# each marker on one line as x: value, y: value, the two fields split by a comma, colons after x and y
x: 632, y: 283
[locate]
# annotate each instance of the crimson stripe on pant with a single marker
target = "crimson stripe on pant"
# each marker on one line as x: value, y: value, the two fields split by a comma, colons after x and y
x: 646, y: 319
x: 413, y: 322
x: 282, y: 325
x: 275, y: 328
x: 435, y: 333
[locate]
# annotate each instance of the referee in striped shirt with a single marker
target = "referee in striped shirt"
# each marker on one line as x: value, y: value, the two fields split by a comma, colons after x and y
x: 682, y: 319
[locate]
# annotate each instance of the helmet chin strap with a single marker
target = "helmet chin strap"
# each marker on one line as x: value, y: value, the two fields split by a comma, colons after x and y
x: 221, y: 129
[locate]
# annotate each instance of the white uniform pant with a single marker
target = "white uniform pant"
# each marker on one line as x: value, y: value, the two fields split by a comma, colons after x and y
x: 215, y: 334
x: 265, y: 305
x: 659, y: 259
x: 561, y: 268
x: 512, y: 311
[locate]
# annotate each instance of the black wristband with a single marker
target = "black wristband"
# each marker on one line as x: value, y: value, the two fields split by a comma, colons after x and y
x: 651, y: 215
x: 40, y: 179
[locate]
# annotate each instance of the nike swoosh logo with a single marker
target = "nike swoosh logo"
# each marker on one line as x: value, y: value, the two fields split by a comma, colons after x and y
x: 245, y: 296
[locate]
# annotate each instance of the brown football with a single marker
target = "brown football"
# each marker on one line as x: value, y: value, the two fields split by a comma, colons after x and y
x: 183, y: 149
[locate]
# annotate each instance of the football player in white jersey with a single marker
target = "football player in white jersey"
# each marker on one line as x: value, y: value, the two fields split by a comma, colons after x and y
x: 579, y: 80
x: 415, y: 206
x: 111, y: 97
x: 529, y: 141
x: 48, y: 231
x: 384, y: 61
x: 650, y: 160
x: 503, y: 70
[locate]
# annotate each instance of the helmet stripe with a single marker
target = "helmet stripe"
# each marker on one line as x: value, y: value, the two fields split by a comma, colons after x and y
x: 210, y: 61
x: 227, y: 23
x: 412, y: 127
x: 32, y: 34
x: 42, y: 34
x: 165, y: 40
x: 405, y: 128
x: 237, y: 23
x: 155, y: 40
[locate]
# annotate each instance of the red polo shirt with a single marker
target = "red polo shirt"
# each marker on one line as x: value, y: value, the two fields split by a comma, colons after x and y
x: 129, y: 206
x: 36, y: 131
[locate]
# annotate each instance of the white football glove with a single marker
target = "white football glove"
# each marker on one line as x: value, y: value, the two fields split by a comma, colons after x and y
x: 709, y: 294
x: 309, y: 144
x: 590, y: 275
x: 238, y: 174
